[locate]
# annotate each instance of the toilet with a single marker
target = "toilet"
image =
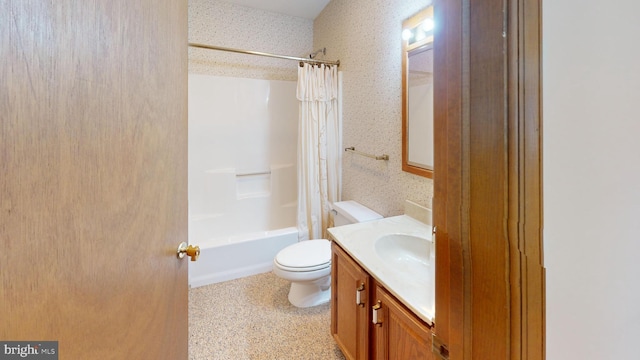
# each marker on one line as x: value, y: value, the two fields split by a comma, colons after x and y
x: 307, y: 264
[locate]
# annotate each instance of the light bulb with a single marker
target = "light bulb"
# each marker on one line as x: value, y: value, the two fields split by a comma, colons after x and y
x: 428, y: 24
x: 407, y: 34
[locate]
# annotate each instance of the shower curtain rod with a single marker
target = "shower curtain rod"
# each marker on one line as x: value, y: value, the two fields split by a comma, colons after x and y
x: 314, y: 61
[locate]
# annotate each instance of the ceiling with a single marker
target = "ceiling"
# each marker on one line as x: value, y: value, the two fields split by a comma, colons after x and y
x: 301, y: 8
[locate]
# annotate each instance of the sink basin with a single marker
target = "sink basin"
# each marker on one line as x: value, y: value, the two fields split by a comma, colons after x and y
x: 407, y: 253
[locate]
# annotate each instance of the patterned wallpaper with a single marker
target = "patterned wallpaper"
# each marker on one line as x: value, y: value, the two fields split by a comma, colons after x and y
x: 219, y: 23
x: 365, y: 36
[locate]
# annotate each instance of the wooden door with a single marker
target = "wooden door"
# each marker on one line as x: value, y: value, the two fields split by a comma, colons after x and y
x: 349, y: 320
x: 93, y: 181
x: 487, y: 179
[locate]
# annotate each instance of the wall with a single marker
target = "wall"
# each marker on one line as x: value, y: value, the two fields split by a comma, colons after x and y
x: 365, y: 37
x: 591, y: 178
x: 221, y: 24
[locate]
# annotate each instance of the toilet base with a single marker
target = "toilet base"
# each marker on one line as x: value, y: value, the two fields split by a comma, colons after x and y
x: 310, y: 293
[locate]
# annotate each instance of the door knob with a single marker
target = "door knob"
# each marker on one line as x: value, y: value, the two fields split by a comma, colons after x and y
x: 192, y: 251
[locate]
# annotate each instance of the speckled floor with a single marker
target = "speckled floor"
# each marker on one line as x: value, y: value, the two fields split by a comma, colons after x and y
x: 251, y: 318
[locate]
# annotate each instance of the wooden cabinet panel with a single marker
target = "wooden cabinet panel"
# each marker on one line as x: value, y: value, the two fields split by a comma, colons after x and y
x: 349, y: 321
x: 399, y: 334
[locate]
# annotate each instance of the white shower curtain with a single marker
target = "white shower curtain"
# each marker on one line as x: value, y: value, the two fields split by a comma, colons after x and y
x: 319, y: 138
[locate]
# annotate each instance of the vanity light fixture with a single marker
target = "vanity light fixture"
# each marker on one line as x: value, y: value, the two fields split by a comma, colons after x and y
x: 420, y: 32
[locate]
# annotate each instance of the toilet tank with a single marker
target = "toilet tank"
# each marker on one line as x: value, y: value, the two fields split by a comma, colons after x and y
x: 351, y: 212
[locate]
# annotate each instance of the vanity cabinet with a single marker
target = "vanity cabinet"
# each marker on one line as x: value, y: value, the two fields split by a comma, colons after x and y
x: 350, y: 314
x: 356, y: 301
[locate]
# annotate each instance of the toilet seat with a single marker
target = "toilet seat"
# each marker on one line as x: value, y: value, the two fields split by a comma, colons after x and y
x: 308, y: 255
x: 303, y: 269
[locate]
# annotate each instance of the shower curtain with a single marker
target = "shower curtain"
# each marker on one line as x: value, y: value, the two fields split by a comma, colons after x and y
x: 319, y: 138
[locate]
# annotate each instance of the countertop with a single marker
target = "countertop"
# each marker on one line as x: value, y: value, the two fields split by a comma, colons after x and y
x: 416, y: 290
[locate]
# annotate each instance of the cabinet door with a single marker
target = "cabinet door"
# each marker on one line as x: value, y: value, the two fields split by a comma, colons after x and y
x: 398, y: 334
x: 349, y: 319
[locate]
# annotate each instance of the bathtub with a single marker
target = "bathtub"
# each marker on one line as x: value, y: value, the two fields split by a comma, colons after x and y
x: 238, y: 256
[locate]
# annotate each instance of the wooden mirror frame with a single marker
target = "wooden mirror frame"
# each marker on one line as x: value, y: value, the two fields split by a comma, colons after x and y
x: 411, y: 23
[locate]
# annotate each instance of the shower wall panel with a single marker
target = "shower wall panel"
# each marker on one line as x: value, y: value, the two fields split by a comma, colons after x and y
x: 242, y: 155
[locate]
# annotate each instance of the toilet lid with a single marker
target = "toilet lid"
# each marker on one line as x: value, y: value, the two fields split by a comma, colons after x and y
x: 305, y: 254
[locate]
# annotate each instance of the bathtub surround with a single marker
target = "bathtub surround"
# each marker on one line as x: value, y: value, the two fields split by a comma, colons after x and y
x: 319, y: 152
x: 242, y: 172
x: 251, y: 318
x: 366, y: 37
x: 242, y: 155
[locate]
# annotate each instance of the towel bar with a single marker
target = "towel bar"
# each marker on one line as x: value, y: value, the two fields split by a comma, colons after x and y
x: 377, y: 157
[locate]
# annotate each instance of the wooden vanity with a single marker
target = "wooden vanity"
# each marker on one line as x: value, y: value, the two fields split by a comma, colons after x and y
x: 367, y: 320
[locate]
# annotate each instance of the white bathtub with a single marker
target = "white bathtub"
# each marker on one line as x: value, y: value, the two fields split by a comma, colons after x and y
x: 239, y: 256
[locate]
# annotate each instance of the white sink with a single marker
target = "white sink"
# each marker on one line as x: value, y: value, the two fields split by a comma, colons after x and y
x: 406, y: 253
x: 397, y: 251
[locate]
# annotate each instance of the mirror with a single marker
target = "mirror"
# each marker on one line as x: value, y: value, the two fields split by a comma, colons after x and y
x: 417, y: 93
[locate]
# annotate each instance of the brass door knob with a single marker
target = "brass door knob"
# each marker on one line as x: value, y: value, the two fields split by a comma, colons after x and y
x: 192, y: 251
